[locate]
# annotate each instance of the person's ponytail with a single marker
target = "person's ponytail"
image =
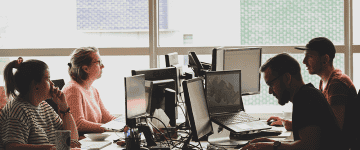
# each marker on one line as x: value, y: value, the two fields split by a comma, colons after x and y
x: 18, y: 84
x: 9, y: 78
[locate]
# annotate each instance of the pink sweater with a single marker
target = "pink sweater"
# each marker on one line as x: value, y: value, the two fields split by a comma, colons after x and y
x: 86, y: 106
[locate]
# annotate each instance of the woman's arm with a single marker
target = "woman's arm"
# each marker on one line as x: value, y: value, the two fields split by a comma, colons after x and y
x: 106, y: 116
x: 65, y: 115
x: 18, y: 146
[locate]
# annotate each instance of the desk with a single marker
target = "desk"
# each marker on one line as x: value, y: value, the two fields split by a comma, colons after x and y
x: 284, y: 136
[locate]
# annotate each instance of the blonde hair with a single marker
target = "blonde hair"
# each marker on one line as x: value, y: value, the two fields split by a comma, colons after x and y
x: 80, y: 57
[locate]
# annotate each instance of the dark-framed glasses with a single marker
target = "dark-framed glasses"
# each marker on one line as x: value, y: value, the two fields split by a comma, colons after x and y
x: 269, y: 82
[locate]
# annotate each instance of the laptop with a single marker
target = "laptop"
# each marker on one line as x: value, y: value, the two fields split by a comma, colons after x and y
x: 225, y: 105
x: 119, y: 123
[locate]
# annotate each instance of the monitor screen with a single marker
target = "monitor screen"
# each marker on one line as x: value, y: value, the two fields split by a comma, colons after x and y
x: 248, y: 60
x: 197, y: 110
x: 136, y: 104
x: 223, y: 91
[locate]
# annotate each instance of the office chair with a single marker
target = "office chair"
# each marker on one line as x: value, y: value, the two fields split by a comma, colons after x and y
x: 57, y: 83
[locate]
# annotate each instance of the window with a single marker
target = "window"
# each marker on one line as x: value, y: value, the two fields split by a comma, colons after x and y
x: 356, y: 42
x: 183, y: 26
x: 356, y: 22
x: 72, y: 24
x: 256, y: 22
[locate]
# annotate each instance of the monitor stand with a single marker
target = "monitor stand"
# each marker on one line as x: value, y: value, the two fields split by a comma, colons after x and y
x: 221, y: 137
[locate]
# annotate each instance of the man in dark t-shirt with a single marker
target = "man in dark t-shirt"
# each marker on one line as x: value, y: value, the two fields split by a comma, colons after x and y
x: 310, y: 108
x: 313, y: 122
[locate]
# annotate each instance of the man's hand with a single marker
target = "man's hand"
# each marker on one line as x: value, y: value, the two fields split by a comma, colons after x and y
x: 288, y: 125
x: 277, y: 121
x: 260, y: 146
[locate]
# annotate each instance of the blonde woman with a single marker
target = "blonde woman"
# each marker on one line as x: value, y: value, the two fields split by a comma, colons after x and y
x: 89, y: 112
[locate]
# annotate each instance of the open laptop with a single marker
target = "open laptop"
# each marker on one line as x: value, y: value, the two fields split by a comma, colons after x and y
x: 119, y: 123
x: 225, y: 105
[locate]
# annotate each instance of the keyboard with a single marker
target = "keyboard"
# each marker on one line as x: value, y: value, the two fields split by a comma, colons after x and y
x: 94, y: 145
x: 235, y: 118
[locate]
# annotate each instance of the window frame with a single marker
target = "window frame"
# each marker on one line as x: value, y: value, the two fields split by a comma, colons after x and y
x: 154, y: 49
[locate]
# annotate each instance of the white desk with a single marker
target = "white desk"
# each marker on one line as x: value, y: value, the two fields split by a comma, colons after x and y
x: 284, y: 136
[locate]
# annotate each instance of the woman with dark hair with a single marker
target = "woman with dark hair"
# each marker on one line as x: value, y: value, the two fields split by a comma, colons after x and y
x: 89, y: 112
x: 27, y: 121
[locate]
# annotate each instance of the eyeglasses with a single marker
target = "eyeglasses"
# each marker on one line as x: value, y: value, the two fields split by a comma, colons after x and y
x: 99, y: 62
x: 269, y: 83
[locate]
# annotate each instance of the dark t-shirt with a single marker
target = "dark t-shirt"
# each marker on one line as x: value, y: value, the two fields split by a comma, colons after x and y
x: 311, y: 108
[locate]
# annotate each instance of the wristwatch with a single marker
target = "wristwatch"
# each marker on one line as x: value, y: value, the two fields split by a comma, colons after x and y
x: 276, y: 145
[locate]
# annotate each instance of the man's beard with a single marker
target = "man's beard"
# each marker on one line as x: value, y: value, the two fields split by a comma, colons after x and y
x: 285, y: 98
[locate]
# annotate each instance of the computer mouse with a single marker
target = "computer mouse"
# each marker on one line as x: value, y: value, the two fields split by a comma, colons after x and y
x: 270, y: 122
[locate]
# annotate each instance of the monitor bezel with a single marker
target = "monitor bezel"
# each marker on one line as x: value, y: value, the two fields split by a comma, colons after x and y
x: 190, y: 112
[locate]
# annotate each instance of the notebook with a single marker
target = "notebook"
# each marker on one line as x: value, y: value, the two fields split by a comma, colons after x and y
x: 225, y: 105
x: 94, y: 145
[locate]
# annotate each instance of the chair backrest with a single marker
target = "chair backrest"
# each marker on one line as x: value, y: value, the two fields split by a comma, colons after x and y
x: 59, y: 83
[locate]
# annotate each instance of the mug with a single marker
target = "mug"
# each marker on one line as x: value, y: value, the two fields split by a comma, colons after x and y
x: 62, y: 139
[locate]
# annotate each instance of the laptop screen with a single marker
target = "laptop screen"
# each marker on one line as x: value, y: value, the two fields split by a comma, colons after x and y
x: 223, y: 91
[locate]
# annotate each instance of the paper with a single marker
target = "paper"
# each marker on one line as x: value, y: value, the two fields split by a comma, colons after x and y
x: 160, y: 114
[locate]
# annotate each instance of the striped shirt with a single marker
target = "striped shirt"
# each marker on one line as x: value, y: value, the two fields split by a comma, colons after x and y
x: 24, y: 123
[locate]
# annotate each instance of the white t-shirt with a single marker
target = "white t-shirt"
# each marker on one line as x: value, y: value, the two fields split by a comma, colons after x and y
x: 24, y: 123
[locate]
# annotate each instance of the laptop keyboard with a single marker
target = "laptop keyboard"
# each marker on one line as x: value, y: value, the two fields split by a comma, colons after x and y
x: 235, y: 118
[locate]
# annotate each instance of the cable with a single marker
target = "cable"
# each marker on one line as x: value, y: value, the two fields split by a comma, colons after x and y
x: 162, y: 132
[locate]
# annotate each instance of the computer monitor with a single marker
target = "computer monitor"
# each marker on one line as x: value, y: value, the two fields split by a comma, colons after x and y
x: 197, y: 109
x: 154, y: 74
x: 149, y: 87
x: 171, y: 59
x: 163, y: 80
x: 195, y: 64
x: 135, y: 100
x: 248, y: 60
